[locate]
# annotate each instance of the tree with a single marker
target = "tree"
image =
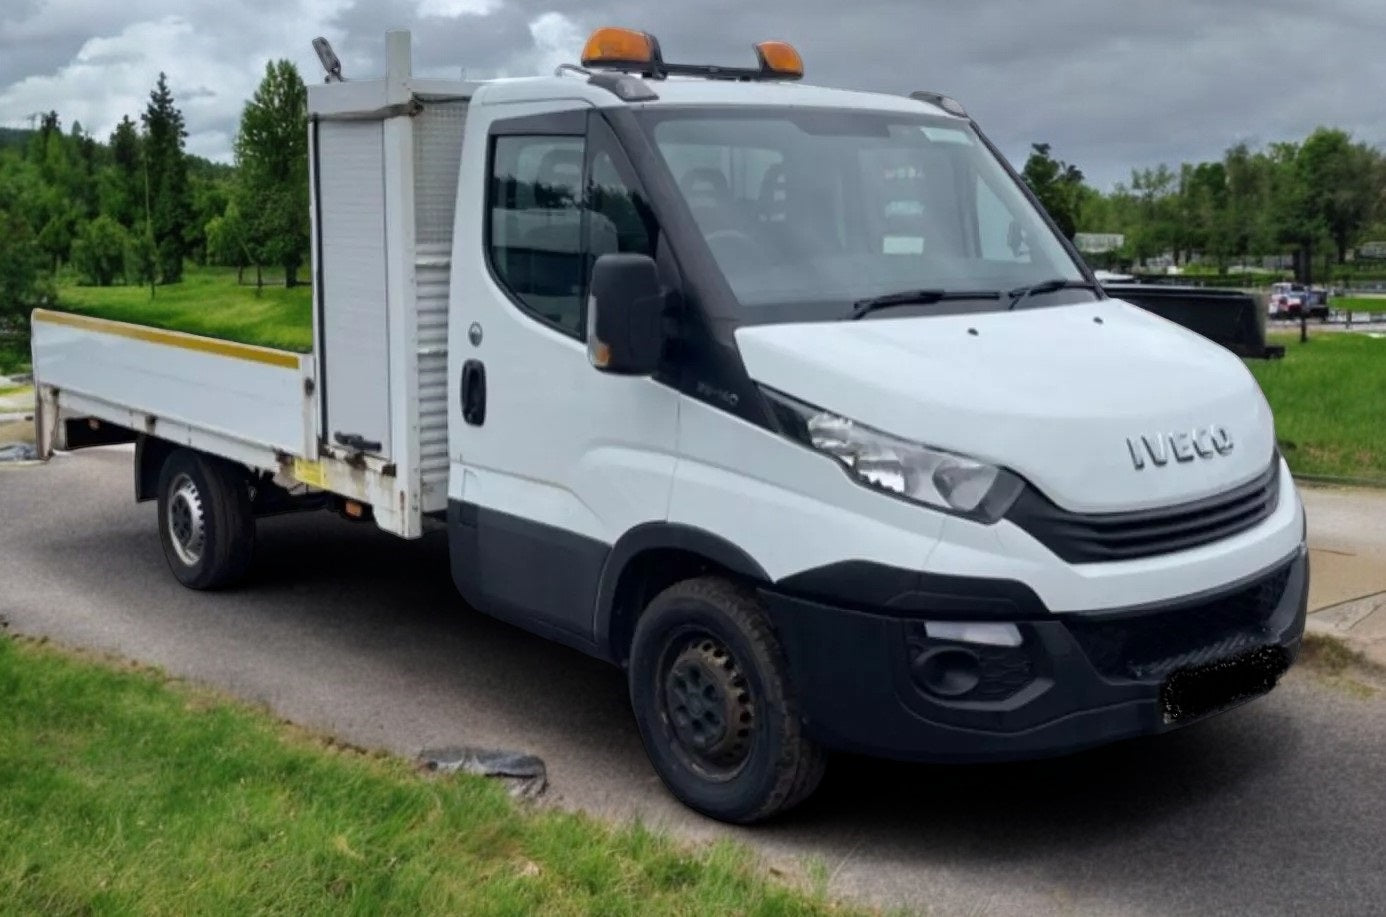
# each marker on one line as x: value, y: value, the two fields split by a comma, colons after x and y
x: 50, y: 126
x: 272, y: 159
x: 1202, y: 203
x: 56, y: 237
x: 1293, y: 220
x: 1247, y: 203
x: 141, y: 260
x: 1156, y: 230
x: 166, y: 170
x: 121, y: 183
x: 99, y: 252
x: 226, y: 240
x: 1338, y: 181
x: 1058, y: 186
x: 23, y: 284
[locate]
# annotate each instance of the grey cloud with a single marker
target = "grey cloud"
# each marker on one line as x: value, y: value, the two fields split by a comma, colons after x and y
x: 19, y: 58
x: 1109, y: 84
x: 481, y: 44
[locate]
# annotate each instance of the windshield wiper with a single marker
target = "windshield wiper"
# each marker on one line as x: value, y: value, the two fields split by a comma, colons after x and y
x: 1020, y: 294
x: 864, y: 307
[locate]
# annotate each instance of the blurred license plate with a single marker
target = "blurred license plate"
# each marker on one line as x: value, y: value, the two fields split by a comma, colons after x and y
x: 1194, y: 692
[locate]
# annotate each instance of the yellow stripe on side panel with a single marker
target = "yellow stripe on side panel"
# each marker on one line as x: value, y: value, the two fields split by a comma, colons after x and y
x: 266, y: 355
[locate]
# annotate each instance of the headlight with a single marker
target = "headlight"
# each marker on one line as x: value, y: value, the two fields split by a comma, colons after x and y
x: 944, y: 480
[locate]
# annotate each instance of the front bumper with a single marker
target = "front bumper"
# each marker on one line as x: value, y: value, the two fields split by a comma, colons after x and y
x: 871, y: 680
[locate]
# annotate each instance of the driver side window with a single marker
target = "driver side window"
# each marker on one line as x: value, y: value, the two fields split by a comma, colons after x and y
x: 557, y: 203
x: 536, y: 225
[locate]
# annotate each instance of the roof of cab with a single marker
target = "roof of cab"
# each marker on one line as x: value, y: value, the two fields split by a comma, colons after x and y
x: 698, y: 91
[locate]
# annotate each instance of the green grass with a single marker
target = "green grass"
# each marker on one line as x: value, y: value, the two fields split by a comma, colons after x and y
x: 1329, y: 399
x: 1358, y: 304
x: 122, y: 792
x: 208, y: 301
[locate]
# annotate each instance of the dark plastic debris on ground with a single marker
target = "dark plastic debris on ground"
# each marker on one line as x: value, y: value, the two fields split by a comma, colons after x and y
x: 524, y: 774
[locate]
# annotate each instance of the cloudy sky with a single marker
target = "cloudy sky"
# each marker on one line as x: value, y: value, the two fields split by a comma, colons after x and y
x: 1110, y: 83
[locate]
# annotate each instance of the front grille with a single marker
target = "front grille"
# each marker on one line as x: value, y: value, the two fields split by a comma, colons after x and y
x: 1151, y: 645
x: 1084, y: 538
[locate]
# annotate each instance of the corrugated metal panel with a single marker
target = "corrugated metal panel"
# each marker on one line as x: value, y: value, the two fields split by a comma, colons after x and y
x: 437, y: 158
x: 351, y: 172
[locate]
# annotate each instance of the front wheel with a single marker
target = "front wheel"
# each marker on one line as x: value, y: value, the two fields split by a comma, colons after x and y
x: 715, y: 708
x: 205, y: 520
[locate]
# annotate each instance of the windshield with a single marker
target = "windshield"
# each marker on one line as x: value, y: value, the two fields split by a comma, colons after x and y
x: 809, y: 210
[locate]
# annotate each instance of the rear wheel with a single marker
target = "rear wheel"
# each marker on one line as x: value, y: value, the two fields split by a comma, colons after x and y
x: 205, y: 520
x: 714, y: 704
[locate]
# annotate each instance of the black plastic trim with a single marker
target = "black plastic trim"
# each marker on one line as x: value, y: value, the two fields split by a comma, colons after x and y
x: 539, y: 577
x: 880, y: 589
x: 860, y: 689
x: 664, y: 536
x: 570, y: 122
x: 1079, y: 538
x: 1193, y: 599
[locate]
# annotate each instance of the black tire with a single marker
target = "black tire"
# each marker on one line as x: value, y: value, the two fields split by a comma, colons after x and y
x: 754, y: 760
x: 202, y: 495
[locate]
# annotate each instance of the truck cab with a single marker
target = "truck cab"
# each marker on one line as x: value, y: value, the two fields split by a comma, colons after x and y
x: 793, y: 403
x: 1288, y: 300
x: 794, y: 395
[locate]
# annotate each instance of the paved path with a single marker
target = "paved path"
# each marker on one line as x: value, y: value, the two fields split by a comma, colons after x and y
x: 1347, y: 535
x: 1275, y: 808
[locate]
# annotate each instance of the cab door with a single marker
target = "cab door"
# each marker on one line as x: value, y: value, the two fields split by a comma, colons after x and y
x: 552, y: 460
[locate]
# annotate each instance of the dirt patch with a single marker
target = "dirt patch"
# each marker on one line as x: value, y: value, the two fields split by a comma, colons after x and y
x: 1341, y: 666
x: 21, y: 431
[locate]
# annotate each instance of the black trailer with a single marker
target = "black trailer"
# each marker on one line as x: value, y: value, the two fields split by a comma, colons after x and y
x: 1230, y: 317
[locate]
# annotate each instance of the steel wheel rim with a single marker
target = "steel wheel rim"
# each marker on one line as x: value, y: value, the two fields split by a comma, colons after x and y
x: 706, y: 705
x: 187, y: 521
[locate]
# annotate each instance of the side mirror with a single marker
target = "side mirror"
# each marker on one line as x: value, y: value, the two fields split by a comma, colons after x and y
x: 625, y: 315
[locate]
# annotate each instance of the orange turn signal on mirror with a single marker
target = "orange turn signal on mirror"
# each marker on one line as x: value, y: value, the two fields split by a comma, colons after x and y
x: 611, y: 47
x: 780, y: 58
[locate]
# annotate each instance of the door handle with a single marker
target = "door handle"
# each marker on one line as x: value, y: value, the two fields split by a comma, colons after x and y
x: 474, y: 392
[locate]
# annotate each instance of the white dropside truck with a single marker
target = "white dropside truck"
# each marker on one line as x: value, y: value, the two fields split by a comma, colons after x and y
x: 790, y: 401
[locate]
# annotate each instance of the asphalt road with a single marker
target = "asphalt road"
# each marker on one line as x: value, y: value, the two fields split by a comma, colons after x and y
x: 1278, y: 807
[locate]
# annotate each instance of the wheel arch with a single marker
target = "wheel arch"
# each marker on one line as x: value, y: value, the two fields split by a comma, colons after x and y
x: 150, y: 455
x: 650, y: 558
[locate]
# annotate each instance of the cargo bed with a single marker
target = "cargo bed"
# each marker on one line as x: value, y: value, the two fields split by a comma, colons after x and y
x: 101, y: 381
